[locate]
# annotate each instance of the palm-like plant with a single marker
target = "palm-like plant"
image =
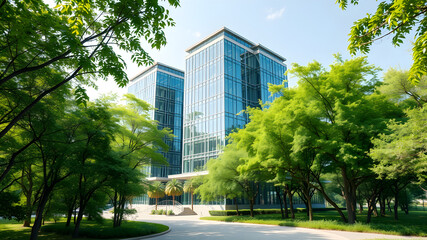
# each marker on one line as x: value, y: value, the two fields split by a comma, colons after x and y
x: 157, y: 190
x: 190, y: 186
x: 174, y: 188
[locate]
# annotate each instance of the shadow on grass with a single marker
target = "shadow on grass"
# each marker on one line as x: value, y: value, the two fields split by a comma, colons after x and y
x: 11, y: 230
x: 105, y: 230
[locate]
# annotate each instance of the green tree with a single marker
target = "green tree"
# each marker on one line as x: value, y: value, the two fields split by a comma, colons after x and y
x: 403, y: 150
x: 230, y: 176
x: 76, y: 37
x: 398, y: 89
x: 336, y: 114
x: 395, y: 18
x: 174, y: 188
x: 96, y: 163
x: 400, y: 154
x: 156, y: 190
x: 190, y: 186
x: 138, y: 142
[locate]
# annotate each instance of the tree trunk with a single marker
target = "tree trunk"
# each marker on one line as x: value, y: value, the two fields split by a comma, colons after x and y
x: 75, y: 215
x: 330, y: 201
x: 291, y: 204
x: 285, y: 204
x: 191, y: 200
x: 173, y: 200
x: 280, y: 201
x: 28, y: 211
x: 115, y: 209
x: 375, y: 209
x: 237, y: 206
x: 251, y: 202
x: 70, y: 212
x: 39, y: 213
x: 360, y: 207
x: 28, y: 195
x: 79, y: 219
x: 310, y: 210
x: 396, y: 201
x: 156, y: 203
x: 382, y: 205
x: 69, y: 215
x: 370, y: 209
x: 122, y: 209
x: 350, y: 197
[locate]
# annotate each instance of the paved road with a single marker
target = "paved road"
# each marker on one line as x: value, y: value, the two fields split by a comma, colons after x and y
x: 190, y: 227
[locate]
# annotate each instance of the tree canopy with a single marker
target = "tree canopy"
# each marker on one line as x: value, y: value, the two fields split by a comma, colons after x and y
x: 396, y: 18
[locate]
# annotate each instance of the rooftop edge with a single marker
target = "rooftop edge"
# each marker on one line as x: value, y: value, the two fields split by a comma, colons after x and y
x: 152, y: 66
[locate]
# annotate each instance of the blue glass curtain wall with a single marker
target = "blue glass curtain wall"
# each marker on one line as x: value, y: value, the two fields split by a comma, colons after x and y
x: 163, y: 88
x: 222, y: 79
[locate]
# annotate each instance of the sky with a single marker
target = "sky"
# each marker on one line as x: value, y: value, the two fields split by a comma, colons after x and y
x: 301, y: 31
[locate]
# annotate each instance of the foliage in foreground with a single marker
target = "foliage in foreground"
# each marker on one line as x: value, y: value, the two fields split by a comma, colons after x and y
x: 413, y: 224
x: 396, y: 18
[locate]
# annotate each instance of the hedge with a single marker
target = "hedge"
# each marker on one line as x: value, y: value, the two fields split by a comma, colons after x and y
x: 260, y: 211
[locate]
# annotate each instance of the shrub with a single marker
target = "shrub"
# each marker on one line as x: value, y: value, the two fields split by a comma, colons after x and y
x: 245, y: 212
x: 153, y: 212
x: 170, y: 212
x: 160, y: 212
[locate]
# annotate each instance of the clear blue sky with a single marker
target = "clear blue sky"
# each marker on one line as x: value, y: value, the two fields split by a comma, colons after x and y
x: 300, y: 31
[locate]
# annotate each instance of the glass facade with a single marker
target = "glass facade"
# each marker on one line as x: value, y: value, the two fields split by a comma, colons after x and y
x: 162, y: 87
x: 224, y: 75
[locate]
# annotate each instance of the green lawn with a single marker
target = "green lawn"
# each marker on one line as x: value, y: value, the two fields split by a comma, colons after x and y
x: 12, y: 230
x: 414, y: 224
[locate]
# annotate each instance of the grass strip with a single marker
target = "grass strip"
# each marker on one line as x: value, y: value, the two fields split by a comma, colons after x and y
x: 408, y: 225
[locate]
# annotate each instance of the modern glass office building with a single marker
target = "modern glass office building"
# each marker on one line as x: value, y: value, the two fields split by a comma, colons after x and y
x: 225, y: 73
x: 162, y: 86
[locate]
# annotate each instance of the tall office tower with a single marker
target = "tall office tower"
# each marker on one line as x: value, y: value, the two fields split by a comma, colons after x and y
x: 162, y: 86
x: 225, y: 73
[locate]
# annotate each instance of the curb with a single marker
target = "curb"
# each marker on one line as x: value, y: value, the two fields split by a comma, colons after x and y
x: 148, y: 236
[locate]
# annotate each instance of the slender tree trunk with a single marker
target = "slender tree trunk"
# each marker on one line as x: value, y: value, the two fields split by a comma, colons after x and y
x: 237, y: 206
x: 28, y: 195
x: 122, y: 209
x: 382, y: 205
x: 350, y: 197
x: 396, y: 201
x: 173, y: 200
x: 252, y: 202
x: 375, y: 209
x: 75, y: 215
x: 191, y: 200
x: 280, y: 202
x: 291, y: 204
x: 370, y: 210
x: 360, y: 207
x: 69, y: 215
x: 79, y: 219
x: 285, y: 204
x: 396, y: 208
x: 70, y: 212
x: 330, y: 201
x: 156, y: 203
x: 389, y: 205
x: 308, y: 204
x: 39, y: 212
x: 28, y: 209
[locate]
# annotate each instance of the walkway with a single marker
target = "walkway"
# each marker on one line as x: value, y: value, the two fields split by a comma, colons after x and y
x: 190, y: 227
